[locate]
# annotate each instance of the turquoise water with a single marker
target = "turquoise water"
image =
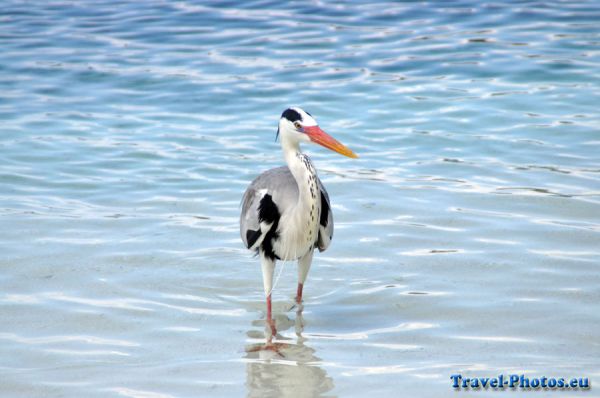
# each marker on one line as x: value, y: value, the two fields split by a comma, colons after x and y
x: 467, y: 234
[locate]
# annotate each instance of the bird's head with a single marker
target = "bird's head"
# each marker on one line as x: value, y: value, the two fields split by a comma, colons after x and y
x: 296, y: 126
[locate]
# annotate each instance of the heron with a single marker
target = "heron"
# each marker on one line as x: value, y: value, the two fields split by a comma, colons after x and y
x: 286, y: 212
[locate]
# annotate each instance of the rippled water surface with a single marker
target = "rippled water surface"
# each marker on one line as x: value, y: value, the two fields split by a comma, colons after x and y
x: 467, y: 234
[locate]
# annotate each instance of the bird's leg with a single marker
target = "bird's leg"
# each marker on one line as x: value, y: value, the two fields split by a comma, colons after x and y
x: 299, y: 293
x: 268, y: 266
x: 303, y: 268
x: 270, y: 320
x: 299, y: 325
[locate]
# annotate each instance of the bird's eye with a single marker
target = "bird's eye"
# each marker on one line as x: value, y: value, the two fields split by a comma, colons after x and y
x: 297, y: 125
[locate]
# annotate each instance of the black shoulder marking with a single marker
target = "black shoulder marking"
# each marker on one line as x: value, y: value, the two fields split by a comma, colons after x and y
x: 269, y: 213
x: 291, y: 115
x: 252, y: 236
x: 324, y: 210
x: 267, y: 210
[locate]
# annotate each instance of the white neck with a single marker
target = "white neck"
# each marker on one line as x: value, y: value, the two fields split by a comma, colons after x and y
x: 303, y: 171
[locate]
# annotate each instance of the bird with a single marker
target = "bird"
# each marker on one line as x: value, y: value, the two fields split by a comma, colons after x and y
x: 286, y: 212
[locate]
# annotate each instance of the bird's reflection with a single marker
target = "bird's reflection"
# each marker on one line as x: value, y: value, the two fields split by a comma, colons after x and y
x: 284, y: 366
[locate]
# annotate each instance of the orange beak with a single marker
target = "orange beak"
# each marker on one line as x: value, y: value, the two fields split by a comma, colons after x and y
x: 320, y: 137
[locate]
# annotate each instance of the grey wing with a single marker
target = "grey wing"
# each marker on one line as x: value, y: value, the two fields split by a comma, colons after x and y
x: 326, y: 220
x: 265, y: 199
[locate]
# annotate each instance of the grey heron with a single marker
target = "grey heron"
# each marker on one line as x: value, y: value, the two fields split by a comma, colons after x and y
x: 286, y: 211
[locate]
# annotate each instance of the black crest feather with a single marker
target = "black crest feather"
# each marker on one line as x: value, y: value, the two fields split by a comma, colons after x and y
x: 291, y: 115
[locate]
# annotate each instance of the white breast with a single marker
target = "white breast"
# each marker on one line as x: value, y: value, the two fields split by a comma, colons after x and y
x: 299, y: 226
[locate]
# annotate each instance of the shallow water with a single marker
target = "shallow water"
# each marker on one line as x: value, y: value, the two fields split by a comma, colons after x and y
x: 467, y: 234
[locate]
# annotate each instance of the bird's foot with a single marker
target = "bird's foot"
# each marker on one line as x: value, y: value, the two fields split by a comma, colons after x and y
x: 276, y: 348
